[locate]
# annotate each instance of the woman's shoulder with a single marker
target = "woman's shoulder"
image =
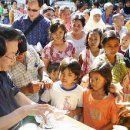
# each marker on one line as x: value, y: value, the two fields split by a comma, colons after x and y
x: 110, y: 98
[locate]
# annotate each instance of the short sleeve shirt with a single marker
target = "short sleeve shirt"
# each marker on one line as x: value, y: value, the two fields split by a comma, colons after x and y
x: 40, y: 33
x: 61, y: 98
x: 99, y: 113
x: 23, y: 74
x: 55, y: 56
x: 7, y: 93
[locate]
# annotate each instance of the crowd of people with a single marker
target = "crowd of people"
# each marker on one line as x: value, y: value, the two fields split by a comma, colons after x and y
x: 53, y: 58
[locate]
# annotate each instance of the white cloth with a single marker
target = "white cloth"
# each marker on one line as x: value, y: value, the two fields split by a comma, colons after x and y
x: 62, y: 99
x: 79, y: 44
x: 91, y: 24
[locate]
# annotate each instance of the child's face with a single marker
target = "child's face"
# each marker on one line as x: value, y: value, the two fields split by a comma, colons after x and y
x: 125, y: 41
x: 58, y: 35
x: 77, y: 26
x: 49, y: 14
x: 68, y: 78
x: 97, y: 81
x: 93, y: 40
x: 112, y: 47
x: 96, y: 17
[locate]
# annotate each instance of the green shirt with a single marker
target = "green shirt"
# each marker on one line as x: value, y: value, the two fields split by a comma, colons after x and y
x: 1, y: 10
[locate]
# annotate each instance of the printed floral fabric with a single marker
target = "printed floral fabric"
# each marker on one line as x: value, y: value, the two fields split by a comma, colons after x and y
x: 55, y: 56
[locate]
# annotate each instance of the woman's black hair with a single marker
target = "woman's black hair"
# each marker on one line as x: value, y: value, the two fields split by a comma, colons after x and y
x: 56, y: 24
x: 104, y: 70
x: 14, y: 1
x: 96, y: 4
x: 22, y: 42
x: 53, y: 67
x: 100, y: 34
x: 80, y: 18
x: 72, y: 64
x: 3, y: 47
x: 9, y: 33
x: 80, y: 5
x: 109, y: 35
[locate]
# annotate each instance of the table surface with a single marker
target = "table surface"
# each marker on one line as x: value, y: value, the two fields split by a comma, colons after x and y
x: 65, y: 124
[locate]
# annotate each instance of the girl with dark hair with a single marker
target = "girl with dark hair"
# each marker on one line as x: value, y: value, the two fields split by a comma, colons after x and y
x: 111, y: 43
x: 100, y: 111
x: 57, y: 49
x: 93, y: 49
x: 66, y: 94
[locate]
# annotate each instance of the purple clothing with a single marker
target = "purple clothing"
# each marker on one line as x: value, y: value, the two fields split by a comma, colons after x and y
x: 55, y: 56
x: 107, y: 21
x: 40, y: 33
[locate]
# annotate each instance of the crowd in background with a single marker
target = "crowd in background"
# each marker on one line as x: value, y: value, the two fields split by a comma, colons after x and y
x: 85, y: 52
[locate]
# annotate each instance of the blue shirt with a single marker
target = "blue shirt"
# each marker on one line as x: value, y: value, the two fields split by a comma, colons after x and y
x: 110, y: 21
x: 7, y: 93
x: 40, y: 33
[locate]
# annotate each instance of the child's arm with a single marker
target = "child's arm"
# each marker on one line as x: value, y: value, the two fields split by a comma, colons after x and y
x: 76, y: 113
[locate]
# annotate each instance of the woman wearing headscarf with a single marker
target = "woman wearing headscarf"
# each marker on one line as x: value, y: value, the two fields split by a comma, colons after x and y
x: 95, y: 20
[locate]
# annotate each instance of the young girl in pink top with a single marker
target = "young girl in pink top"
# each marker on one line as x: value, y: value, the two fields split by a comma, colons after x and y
x: 58, y: 48
x: 100, y: 111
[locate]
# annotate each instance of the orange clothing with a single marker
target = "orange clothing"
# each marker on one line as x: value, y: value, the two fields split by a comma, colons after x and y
x: 99, y: 113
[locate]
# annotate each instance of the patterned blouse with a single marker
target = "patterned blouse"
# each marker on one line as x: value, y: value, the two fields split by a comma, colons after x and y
x: 54, y: 55
x: 88, y: 59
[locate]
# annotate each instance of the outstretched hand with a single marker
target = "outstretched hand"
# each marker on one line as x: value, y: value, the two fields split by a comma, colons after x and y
x: 38, y: 109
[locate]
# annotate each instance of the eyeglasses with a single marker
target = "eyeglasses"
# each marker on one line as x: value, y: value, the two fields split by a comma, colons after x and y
x: 33, y: 10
